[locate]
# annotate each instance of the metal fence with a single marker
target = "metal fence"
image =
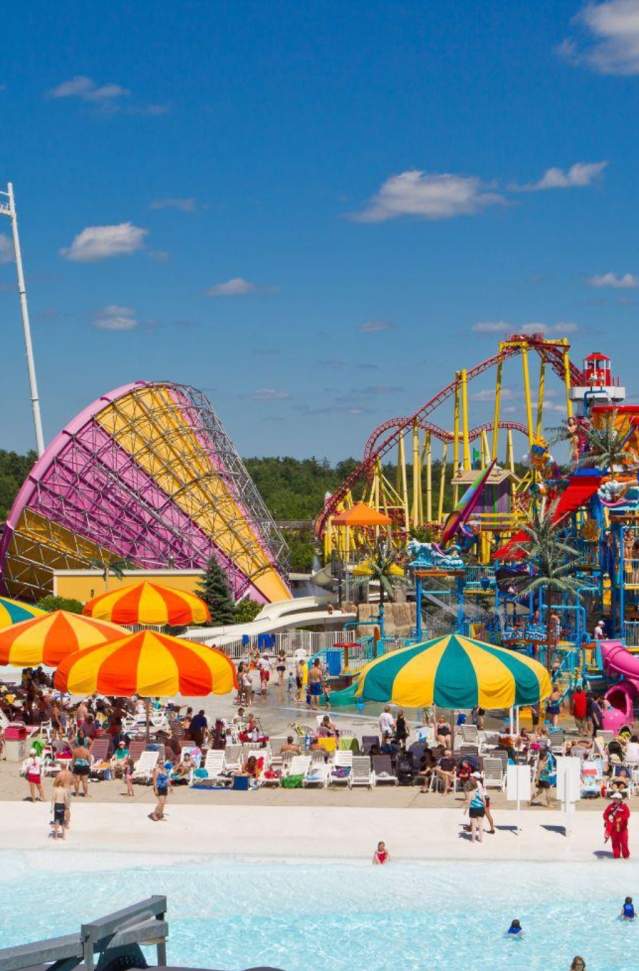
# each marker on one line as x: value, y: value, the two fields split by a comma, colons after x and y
x: 631, y: 633
x: 288, y: 641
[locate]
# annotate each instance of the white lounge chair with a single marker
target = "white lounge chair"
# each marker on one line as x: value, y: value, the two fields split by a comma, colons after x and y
x: 494, y: 773
x: 298, y: 765
x: 341, y: 769
x: 145, y: 766
x: 275, y: 747
x: 233, y: 757
x: 316, y: 774
x: 469, y: 734
x: 361, y: 773
x: 213, y: 765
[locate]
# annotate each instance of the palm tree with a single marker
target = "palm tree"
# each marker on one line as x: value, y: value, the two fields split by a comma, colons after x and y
x: 554, y: 565
x: 382, y: 566
x: 607, y: 447
x: 109, y: 568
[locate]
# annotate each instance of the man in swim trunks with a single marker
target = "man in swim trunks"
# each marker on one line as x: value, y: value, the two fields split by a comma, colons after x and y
x: 316, y: 682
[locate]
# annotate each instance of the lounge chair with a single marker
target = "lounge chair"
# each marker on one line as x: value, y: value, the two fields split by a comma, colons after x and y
x: 233, y: 757
x: 469, y: 734
x: 383, y: 771
x: 368, y: 742
x: 316, y: 774
x: 591, y: 778
x: 145, y: 766
x: 213, y: 766
x: 361, y: 774
x: 494, y: 773
x: 341, y: 768
x: 298, y: 765
x: 275, y: 745
x: 136, y: 747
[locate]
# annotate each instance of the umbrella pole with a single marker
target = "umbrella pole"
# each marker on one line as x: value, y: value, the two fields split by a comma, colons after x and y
x: 511, y: 723
x: 147, y: 708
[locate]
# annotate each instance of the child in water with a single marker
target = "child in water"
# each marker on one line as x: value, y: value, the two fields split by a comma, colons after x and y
x: 515, y: 929
x: 628, y: 911
x: 381, y: 854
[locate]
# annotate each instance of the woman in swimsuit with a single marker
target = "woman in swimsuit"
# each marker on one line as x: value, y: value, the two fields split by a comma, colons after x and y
x: 477, y: 811
x: 281, y: 668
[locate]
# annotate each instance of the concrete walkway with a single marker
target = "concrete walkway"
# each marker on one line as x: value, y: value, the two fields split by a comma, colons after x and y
x: 299, y: 832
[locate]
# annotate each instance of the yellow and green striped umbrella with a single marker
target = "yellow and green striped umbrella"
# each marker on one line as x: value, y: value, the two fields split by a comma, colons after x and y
x: 14, y: 611
x: 454, y: 672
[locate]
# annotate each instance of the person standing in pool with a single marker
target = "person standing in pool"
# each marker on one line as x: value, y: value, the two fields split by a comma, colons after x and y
x: 616, y: 817
x: 628, y: 909
x: 316, y: 682
x: 381, y: 854
x: 477, y: 811
x: 578, y: 964
x: 515, y: 929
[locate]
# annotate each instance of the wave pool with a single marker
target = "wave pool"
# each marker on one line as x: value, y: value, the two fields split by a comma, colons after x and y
x: 339, y: 917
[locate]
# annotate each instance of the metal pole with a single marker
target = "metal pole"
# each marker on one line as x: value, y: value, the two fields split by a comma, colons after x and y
x: 26, y: 326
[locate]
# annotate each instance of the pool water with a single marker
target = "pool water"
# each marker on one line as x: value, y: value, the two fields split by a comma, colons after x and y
x: 313, y: 916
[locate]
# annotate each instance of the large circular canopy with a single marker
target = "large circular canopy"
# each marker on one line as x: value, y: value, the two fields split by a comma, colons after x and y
x: 148, y: 664
x: 454, y: 672
x: 145, y: 474
x: 48, y: 639
x: 14, y: 611
x: 149, y: 603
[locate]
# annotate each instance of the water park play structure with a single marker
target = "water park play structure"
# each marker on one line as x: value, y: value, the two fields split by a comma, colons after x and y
x: 145, y: 475
x: 492, y: 499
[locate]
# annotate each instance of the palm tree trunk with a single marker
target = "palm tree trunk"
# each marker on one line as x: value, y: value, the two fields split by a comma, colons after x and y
x: 549, y: 635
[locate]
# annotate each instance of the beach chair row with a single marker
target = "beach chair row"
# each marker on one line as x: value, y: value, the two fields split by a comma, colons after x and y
x: 345, y: 769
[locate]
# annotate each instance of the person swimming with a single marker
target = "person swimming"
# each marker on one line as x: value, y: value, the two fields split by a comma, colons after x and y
x: 515, y: 929
x: 628, y: 911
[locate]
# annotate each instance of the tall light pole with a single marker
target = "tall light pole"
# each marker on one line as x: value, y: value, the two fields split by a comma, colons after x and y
x: 8, y: 208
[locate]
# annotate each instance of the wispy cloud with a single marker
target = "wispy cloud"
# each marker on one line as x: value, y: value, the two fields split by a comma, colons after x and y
x: 186, y: 204
x: 101, y: 242
x: 427, y: 195
x: 578, y: 176
x: 108, y: 98
x: 237, y: 286
x: 606, y: 38
x: 6, y: 249
x: 86, y: 89
x: 488, y: 394
x: 618, y: 281
x: 376, y: 326
x: 534, y: 327
x: 270, y: 394
x: 115, y: 317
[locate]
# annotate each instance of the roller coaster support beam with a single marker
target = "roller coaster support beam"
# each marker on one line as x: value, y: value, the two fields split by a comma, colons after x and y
x: 428, y: 455
x: 417, y: 476
x: 527, y: 400
x: 539, y: 427
x: 567, y: 378
x: 442, y: 483
x: 402, y: 485
x: 456, y: 440
x: 497, y: 410
x: 465, y: 426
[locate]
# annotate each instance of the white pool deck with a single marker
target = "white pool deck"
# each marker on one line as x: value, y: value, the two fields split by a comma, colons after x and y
x: 298, y: 833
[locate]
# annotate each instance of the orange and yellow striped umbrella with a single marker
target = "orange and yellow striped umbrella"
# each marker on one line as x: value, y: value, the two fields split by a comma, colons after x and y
x: 148, y: 603
x: 49, y: 638
x: 148, y: 664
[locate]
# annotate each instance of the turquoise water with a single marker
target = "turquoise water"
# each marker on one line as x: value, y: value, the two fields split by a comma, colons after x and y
x: 332, y: 917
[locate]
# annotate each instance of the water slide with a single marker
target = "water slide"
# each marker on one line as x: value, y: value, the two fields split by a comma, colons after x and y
x: 618, y: 660
x: 274, y: 617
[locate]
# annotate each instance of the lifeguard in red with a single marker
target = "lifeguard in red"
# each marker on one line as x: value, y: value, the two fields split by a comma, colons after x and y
x: 616, y: 817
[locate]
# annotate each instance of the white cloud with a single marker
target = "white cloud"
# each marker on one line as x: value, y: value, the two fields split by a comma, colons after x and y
x: 182, y: 204
x: 578, y: 176
x: 237, y: 286
x: 560, y: 329
x: 6, y: 249
x: 610, y: 41
x: 114, y: 317
x: 427, y: 195
x: 270, y: 394
x: 492, y: 327
x: 627, y: 281
x: 86, y: 89
x: 101, y: 242
x: 376, y: 326
x: 488, y: 394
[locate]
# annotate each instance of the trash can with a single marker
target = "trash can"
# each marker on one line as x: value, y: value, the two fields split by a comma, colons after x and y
x: 334, y: 661
x: 15, y: 742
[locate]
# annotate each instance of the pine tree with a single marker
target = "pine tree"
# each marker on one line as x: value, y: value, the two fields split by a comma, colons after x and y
x: 214, y: 590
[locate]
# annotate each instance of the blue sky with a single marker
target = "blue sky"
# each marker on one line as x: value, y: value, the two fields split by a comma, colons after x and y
x: 315, y: 212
